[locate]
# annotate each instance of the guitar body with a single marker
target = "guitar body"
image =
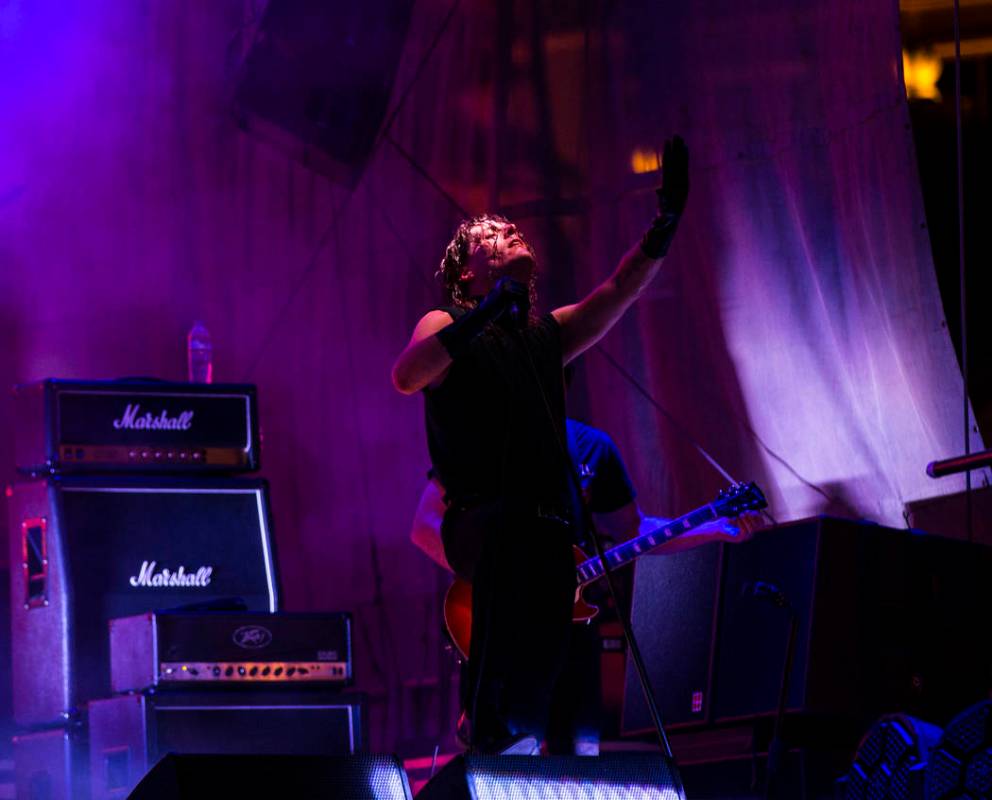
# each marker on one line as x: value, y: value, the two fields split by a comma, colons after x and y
x: 730, y: 503
x: 458, y: 609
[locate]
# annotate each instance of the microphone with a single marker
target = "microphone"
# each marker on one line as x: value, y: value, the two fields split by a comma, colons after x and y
x: 517, y: 299
x: 518, y: 315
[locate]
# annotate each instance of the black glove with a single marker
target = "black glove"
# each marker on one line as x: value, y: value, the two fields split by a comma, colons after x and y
x: 672, y: 195
x: 508, y: 299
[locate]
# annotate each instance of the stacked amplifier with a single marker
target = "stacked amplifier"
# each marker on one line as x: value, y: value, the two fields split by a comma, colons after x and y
x: 133, y: 507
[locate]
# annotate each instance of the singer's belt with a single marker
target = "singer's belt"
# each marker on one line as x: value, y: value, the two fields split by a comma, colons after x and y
x: 548, y: 511
x: 554, y: 514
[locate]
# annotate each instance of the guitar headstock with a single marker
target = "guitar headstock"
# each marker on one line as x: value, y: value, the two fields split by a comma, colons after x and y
x: 735, y: 500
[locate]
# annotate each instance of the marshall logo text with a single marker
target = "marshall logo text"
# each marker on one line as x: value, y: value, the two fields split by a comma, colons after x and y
x: 133, y: 419
x: 147, y: 576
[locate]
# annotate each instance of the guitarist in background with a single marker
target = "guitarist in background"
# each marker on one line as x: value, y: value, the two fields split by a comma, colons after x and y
x: 490, y: 370
x: 607, y: 491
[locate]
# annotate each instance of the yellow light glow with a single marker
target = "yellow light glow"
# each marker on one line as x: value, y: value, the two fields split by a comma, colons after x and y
x: 645, y: 161
x: 922, y: 70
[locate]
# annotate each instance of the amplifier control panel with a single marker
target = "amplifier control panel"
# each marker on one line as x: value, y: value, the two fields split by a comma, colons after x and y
x: 254, y: 671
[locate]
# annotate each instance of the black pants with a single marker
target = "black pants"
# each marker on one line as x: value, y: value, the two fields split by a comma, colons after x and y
x: 575, y: 704
x: 523, y: 586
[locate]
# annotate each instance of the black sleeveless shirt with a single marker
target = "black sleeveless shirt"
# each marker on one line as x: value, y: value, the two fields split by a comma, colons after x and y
x: 489, y: 430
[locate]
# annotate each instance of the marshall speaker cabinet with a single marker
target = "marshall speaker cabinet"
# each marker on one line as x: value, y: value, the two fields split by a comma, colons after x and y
x: 147, y: 426
x: 85, y: 550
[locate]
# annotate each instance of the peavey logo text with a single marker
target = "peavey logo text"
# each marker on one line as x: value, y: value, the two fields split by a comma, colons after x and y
x: 252, y: 637
x: 130, y: 420
x: 147, y: 576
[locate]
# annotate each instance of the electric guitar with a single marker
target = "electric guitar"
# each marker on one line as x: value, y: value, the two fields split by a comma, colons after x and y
x: 731, y: 502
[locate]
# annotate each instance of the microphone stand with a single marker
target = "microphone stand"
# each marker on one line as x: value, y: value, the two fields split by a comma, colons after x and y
x: 628, y: 632
x: 776, y: 747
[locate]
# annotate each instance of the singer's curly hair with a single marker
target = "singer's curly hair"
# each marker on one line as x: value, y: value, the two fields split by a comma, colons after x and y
x: 456, y: 255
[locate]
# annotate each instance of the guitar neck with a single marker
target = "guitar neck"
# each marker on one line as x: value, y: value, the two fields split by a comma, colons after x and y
x: 624, y: 553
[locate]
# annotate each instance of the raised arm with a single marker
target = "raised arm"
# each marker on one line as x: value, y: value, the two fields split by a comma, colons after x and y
x: 586, y: 322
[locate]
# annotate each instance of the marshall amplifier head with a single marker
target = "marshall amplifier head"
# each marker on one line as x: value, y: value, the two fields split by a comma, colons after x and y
x: 148, y: 426
x: 171, y: 649
x: 86, y: 550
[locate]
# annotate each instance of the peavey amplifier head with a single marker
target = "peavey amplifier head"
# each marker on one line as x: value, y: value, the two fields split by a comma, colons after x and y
x: 210, y: 648
x: 148, y: 426
x: 87, y: 550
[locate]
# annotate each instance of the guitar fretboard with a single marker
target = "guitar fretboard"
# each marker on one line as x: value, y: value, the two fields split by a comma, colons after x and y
x: 626, y: 552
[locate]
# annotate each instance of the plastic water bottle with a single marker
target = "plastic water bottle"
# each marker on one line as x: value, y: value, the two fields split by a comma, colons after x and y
x: 199, y: 354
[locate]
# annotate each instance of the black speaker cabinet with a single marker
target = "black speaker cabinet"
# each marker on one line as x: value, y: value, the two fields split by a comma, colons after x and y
x: 197, y: 777
x: 889, y: 621
x: 129, y: 733
x: 86, y: 550
x: 673, y: 614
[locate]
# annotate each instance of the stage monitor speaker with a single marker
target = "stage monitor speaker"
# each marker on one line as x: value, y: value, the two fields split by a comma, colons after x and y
x: 129, y: 733
x: 87, y: 550
x: 891, y: 760
x: 889, y: 621
x: 287, y: 777
x: 633, y: 776
x: 318, y: 78
x: 961, y: 762
x: 673, y: 615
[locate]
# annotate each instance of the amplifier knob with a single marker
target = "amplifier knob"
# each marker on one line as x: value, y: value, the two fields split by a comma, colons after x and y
x: 277, y: 671
x: 216, y: 672
x: 265, y: 672
x: 242, y: 671
x: 193, y: 671
x: 228, y: 672
x: 290, y: 672
x: 253, y: 671
x: 303, y: 671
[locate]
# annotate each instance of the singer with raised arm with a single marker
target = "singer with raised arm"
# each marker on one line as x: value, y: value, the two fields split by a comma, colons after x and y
x: 490, y: 368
